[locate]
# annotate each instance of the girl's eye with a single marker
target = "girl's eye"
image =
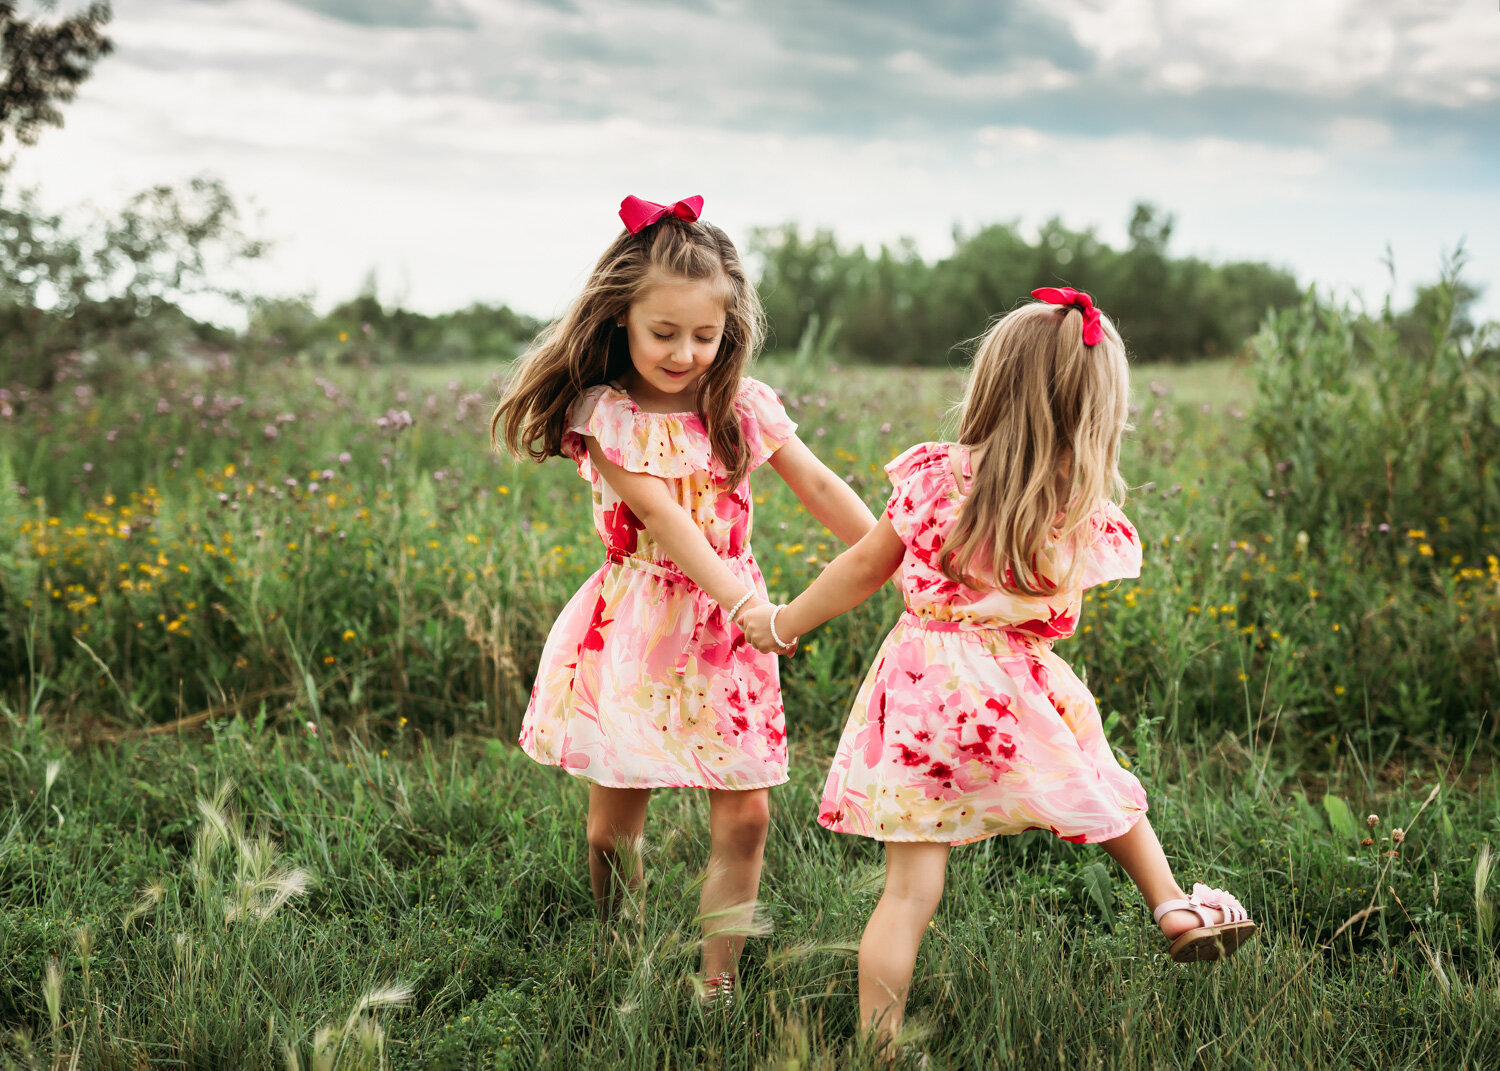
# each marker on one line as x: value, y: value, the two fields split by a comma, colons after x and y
x: 708, y: 341
x: 658, y: 334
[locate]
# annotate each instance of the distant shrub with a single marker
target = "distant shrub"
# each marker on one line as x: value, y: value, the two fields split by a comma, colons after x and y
x: 1377, y: 426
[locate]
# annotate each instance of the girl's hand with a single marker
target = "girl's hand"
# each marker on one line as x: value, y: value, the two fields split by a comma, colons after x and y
x: 756, y: 624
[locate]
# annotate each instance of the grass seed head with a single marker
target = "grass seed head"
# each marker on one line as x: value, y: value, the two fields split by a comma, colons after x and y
x: 1484, y: 907
x: 52, y: 991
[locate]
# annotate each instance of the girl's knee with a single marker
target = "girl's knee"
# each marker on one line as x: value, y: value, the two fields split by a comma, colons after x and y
x: 916, y: 898
x: 914, y: 893
x: 606, y: 839
x: 742, y: 823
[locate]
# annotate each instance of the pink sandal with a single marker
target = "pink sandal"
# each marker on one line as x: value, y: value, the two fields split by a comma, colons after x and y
x: 1210, y: 941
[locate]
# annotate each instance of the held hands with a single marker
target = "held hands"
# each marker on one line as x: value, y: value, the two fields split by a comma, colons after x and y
x: 756, y: 623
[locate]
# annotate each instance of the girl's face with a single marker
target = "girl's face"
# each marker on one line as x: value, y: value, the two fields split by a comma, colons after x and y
x: 674, y: 328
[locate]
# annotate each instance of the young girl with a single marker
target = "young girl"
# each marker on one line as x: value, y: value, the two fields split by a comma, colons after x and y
x: 644, y: 681
x: 969, y: 725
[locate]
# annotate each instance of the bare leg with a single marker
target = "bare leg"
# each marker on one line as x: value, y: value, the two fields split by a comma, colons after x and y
x: 1139, y: 852
x: 914, y: 877
x: 737, y: 826
x: 617, y: 819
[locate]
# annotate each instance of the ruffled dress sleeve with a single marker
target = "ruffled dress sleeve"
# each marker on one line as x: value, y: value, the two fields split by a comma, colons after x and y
x: 1114, y: 549
x: 763, y: 420
x: 920, y: 479
x: 670, y: 445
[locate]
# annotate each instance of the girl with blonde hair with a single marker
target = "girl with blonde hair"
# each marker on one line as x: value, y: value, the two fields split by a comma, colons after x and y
x: 969, y: 725
x: 645, y: 681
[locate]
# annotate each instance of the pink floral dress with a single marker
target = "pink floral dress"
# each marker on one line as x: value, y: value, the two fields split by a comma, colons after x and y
x: 968, y: 725
x: 643, y: 682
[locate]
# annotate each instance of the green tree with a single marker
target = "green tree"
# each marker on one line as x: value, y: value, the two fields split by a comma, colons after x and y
x: 113, y: 287
x: 43, y: 63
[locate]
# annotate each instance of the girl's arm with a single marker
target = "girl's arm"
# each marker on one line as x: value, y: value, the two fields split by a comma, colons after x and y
x: 669, y: 524
x: 827, y: 498
x: 849, y: 580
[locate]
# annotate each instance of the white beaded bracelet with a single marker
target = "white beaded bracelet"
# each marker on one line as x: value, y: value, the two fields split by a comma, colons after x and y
x: 735, y: 609
x: 775, y: 638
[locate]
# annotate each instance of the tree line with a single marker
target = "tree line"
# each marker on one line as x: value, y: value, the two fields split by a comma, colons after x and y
x: 894, y: 307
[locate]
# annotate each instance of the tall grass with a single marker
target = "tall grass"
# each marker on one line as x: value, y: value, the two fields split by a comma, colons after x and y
x: 426, y: 905
x: 351, y: 547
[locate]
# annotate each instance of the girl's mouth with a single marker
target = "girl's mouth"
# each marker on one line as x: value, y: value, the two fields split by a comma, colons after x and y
x: 676, y: 375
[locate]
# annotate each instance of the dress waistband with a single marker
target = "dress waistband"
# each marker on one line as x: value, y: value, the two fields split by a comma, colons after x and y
x: 706, y: 612
x: 931, y: 625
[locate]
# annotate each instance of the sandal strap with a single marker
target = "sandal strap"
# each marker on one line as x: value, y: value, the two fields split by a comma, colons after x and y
x: 1202, y: 898
x: 1179, y: 904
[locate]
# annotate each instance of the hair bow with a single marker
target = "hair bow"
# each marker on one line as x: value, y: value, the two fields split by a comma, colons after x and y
x: 1093, y: 330
x: 638, y: 214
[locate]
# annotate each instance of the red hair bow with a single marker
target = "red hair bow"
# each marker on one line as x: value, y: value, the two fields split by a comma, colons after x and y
x: 1093, y: 331
x: 638, y: 214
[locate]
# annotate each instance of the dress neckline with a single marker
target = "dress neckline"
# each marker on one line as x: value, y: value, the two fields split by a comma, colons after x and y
x: 636, y: 406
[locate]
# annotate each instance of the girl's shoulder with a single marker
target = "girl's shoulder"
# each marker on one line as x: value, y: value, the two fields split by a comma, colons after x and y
x: 923, y: 484
x: 1113, y: 547
x: 922, y: 461
x: 763, y: 420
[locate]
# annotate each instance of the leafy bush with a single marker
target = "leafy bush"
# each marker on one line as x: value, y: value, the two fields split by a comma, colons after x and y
x: 1375, y: 427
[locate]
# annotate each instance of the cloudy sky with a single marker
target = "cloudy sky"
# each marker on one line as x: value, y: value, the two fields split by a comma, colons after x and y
x: 478, y: 149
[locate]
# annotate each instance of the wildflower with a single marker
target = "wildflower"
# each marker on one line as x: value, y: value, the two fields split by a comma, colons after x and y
x: 349, y: 635
x: 1397, y: 836
x: 1416, y: 533
x: 311, y: 728
x: 1425, y: 550
x: 1372, y: 820
x: 272, y: 432
x: 1367, y: 842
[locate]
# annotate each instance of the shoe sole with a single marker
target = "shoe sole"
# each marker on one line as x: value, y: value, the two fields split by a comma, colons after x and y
x: 1209, y: 943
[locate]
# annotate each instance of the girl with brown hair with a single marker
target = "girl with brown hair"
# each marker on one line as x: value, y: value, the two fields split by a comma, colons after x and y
x: 645, y: 681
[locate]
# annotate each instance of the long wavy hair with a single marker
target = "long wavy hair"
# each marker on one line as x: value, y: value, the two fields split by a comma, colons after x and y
x: 585, y: 347
x: 1048, y: 413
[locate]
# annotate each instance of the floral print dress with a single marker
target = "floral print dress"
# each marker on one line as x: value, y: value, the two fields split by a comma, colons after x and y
x: 968, y: 725
x: 643, y: 682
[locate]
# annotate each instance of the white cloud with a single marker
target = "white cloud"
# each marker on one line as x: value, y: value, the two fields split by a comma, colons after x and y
x: 394, y: 149
x: 1429, y: 52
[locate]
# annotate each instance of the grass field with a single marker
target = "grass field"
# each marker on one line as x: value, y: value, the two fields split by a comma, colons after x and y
x: 244, y: 578
x: 456, y: 871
